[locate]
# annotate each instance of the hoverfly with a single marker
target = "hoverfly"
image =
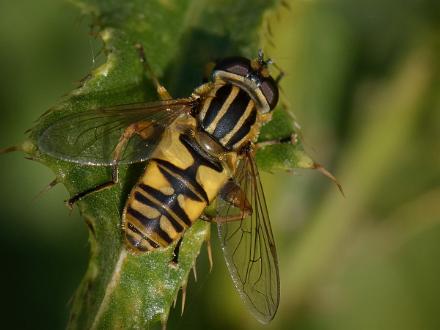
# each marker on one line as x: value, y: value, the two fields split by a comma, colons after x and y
x: 200, y: 150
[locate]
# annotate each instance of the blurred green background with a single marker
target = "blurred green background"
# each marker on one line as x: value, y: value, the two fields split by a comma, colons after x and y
x: 363, y: 79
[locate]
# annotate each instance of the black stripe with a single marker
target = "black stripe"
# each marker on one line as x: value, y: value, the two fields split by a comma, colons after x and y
x: 136, y: 244
x: 232, y: 115
x: 179, y: 186
x: 216, y: 104
x: 166, y: 200
x: 200, y: 156
x: 160, y: 208
x: 137, y: 231
x: 152, y: 224
x: 244, y: 129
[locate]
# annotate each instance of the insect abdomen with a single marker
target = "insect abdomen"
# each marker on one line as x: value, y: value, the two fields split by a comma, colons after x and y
x: 154, y: 216
x: 177, y: 185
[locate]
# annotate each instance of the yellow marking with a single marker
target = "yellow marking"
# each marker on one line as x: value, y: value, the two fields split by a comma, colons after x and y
x: 141, y: 242
x: 206, y: 104
x: 136, y: 236
x: 230, y: 161
x: 239, y: 143
x: 148, y: 211
x: 153, y: 178
x: 253, y: 133
x: 264, y: 106
x: 171, y: 149
x: 225, y: 106
x: 211, y: 180
x: 208, y: 99
x: 192, y: 208
x: 240, y: 122
x: 138, y: 225
x: 166, y: 190
x: 181, y: 201
x: 167, y: 227
x: 146, y: 245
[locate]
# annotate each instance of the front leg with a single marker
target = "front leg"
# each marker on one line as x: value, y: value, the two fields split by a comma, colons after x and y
x: 292, y: 139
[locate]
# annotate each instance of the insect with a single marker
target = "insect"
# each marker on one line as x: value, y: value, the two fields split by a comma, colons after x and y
x: 200, y: 150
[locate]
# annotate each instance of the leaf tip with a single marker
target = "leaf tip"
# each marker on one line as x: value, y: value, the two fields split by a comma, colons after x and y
x: 28, y: 147
x: 183, y: 297
x: 304, y: 160
x: 194, y: 269
x: 325, y: 172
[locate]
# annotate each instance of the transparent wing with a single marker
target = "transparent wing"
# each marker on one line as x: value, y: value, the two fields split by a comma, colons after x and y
x: 249, y: 248
x: 90, y: 137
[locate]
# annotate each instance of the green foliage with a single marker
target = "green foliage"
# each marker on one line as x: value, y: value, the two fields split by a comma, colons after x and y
x: 362, y: 77
x: 120, y: 290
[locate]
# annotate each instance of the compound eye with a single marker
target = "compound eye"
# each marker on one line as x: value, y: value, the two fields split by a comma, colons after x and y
x: 237, y: 65
x: 269, y: 88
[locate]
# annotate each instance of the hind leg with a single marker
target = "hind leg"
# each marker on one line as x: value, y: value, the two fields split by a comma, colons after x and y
x: 232, y: 194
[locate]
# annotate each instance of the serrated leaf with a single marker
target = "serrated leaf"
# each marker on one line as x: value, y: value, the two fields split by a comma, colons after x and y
x: 120, y: 290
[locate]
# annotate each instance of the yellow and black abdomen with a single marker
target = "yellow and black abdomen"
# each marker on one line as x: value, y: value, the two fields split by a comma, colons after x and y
x: 180, y: 180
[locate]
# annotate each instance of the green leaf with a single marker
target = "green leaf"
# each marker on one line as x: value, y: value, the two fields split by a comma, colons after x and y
x: 285, y: 156
x: 179, y: 37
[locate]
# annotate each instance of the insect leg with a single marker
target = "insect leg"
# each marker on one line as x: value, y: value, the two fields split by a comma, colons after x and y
x: 204, y: 89
x: 140, y: 128
x: 108, y: 184
x: 234, y: 195
x: 207, y: 71
x: 293, y: 139
x: 161, y: 90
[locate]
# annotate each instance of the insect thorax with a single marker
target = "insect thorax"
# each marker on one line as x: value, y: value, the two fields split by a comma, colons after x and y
x: 229, y: 115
